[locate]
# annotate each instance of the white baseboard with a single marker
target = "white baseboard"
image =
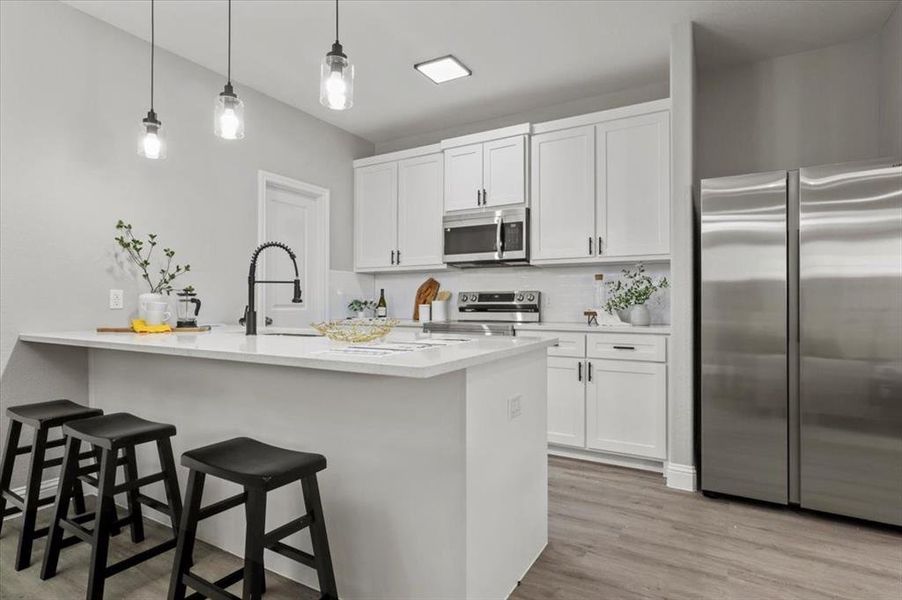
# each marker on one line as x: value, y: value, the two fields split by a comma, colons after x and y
x: 48, y: 488
x: 605, y: 458
x: 680, y: 477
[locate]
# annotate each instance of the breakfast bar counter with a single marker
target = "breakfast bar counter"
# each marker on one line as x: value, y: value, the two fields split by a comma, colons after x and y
x: 436, y: 485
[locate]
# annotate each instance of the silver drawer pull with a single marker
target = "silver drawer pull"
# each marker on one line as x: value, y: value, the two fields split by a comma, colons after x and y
x: 624, y: 347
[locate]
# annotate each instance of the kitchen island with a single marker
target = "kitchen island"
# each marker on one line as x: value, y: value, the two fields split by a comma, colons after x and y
x: 436, y: 485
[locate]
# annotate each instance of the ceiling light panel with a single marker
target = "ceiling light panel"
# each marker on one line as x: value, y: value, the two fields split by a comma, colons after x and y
x: 445, y: 68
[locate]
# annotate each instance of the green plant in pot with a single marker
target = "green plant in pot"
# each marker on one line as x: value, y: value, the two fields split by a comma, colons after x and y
x: 140, y: 252
x: 628, y: 295
x: 359, y: 307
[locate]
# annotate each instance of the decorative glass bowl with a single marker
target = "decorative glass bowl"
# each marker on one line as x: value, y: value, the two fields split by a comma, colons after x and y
x: 356, y: 331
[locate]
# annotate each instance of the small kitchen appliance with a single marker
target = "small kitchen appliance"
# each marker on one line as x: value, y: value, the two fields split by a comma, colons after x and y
x: 188, y: 306
x: 485, y: 239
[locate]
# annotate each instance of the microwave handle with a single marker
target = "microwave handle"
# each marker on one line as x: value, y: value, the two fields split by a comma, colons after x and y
x: 499, y: 242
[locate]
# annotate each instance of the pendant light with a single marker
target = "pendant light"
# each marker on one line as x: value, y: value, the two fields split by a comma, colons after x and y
x: 151, y: 143
x: 228, y: 118
x: 336, y: 82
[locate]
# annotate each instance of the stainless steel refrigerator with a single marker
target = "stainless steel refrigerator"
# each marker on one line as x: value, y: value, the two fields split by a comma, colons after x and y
x: 801, y: 338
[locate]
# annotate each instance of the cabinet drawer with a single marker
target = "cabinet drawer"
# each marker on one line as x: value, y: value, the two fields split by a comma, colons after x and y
x: 568, y: 343
x: 625, y: 346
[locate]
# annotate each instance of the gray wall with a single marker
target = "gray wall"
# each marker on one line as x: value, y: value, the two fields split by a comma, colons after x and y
x: 810, y: 108
x: 891, y: 85
x: 645, y: 93
x: 73, y: 92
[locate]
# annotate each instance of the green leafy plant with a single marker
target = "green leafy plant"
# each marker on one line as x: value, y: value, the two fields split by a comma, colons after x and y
x: 140, y: 252
x: 634, y: 287
x: 361, y: 305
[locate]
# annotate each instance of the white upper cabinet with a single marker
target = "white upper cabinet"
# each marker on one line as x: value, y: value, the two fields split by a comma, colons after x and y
x: 504, y: 171
x: 633, y: 194
x: 563, y: 194
x: 375, y: 215
x: 420, y: 211
x: 398, y: 211
x: 463, y: 177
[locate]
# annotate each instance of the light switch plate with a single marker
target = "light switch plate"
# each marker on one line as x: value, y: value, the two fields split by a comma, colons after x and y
x: 116, y: 299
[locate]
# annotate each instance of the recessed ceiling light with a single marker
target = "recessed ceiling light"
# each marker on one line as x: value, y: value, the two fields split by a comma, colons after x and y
x: 443, y: 69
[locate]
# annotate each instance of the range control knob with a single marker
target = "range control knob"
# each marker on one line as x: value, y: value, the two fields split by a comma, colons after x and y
x: 519, y: 297
x: 530, y: 297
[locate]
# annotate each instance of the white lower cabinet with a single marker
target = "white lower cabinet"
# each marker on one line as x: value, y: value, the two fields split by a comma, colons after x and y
x: 626, y: 407
x: 607, y: 392
x: 566, y: 401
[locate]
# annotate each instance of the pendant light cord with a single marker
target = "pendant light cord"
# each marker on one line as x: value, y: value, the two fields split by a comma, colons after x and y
x: 336, y: 20
x: 152, y: 46
x: 229, y: 76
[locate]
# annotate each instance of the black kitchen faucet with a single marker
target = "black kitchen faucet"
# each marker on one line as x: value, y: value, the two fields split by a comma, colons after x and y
x: 250, y: 313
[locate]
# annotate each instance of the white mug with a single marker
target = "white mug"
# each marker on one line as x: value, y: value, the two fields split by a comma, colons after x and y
x: 425, y: 313
x: 157, y: 317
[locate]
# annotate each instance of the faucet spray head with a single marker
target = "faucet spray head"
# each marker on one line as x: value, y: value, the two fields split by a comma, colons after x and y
x: 297, y: 291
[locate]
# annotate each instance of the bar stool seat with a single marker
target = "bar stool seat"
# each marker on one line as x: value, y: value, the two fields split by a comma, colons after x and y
x: 118, y: 430
x: 50, y: 414
x: 108, y: 435
x: 259, y: 468
x: 41, y: 417
x: 251, y: 463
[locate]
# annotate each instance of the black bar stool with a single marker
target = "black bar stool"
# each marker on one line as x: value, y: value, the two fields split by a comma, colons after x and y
x: 108, y: 435
x: 41, y: 417
x: 259, y: 468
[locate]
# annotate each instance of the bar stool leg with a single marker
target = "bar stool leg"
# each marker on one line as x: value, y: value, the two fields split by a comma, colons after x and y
x: 255, y: 512
x: 171, y: 483
x: 103, y: 522
x: 136, y: 519
x: 32, y: 495
x: 68, y: 480
x: 98, y: 459
x: 318, y: 537
x: 186, y: 535
x: 13, y: 431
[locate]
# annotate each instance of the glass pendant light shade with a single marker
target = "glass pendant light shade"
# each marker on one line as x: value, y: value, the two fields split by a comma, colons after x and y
x: 151, y: 143
x: 228, y: 117
x: 336, y: 83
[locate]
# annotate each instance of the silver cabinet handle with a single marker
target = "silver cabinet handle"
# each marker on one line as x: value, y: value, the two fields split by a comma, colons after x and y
x: 579, y: 371
x: 392, y: 257
x: 590, y: 245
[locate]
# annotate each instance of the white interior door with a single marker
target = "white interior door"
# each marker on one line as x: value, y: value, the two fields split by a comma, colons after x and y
x: 297, y: 215
x: 504, y: 171
x: 420, y: 211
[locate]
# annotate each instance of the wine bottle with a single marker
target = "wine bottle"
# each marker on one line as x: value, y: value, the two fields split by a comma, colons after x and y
x: 381, y: 306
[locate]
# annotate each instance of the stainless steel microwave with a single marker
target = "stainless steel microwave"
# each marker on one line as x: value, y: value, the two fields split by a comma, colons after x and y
x: 493, y: 238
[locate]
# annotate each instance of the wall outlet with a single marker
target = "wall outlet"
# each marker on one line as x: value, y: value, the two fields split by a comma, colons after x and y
x: 116, y: 299
x: 513, y: 408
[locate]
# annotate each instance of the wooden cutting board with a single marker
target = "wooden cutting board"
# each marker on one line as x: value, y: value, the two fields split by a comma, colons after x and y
x: 425, y: 295
x: 199, y: 329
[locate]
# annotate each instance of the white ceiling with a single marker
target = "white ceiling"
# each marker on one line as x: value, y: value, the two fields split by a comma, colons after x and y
x: 524, y: 54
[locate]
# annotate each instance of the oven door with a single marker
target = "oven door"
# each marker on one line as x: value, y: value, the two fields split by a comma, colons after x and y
x: 498, y: 236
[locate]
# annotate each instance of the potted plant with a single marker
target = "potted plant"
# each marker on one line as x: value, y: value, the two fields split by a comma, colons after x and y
x: 359, y: 307
x: 140, y: 253
x: 628, y: 295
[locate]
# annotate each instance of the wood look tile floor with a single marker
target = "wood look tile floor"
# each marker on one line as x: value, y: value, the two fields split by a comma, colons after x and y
x: 613, y: 534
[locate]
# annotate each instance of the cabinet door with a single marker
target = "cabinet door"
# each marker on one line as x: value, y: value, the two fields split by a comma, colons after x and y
x: 463, y: 177
x: 563, y: 194
x: 420, y: 210
x: 626, y: 407
x: 566, y: 402
x: 375, y: 215
x: 633, y: 185
x: 504, y: 171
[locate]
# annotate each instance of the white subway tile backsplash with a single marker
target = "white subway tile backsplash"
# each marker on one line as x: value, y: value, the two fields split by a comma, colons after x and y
x: 566, y: 291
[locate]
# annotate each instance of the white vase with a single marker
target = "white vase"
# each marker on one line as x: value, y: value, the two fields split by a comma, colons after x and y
x: 624, y: 314
x: 361, y: 314
x: 639, y: 316
x: 143, y: 299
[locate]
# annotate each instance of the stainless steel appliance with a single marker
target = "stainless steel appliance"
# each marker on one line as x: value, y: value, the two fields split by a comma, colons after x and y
x: 519, y: 306
x: 801, y: 338
x: 494, y: 238
x: 470, y: 328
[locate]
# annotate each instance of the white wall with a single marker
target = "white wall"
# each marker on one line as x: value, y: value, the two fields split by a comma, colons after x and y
x: 891, y: 85
x: 73, y: 92
x: 645, y: 93
x: 803, y: 109
x: 566, y: 291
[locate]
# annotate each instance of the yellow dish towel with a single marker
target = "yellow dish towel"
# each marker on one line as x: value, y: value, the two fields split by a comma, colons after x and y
x: 141, y: 327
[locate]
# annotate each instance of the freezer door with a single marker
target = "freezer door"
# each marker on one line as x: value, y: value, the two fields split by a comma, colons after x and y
x: 744, y: 444
x: 850, y: 317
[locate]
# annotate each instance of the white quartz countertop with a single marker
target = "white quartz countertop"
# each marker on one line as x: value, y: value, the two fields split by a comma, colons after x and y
x: 230, y: 343
x: 571, y: 326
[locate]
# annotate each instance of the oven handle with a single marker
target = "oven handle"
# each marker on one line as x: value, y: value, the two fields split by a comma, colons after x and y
x: 499, y: 243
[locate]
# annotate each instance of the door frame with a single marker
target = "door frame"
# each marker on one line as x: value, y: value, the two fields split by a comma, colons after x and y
x: 321, y: 196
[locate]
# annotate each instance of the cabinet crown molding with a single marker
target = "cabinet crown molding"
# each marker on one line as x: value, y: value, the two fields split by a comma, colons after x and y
x: 399, y: 155
x: 601, y: 116
x: 487, y: 136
